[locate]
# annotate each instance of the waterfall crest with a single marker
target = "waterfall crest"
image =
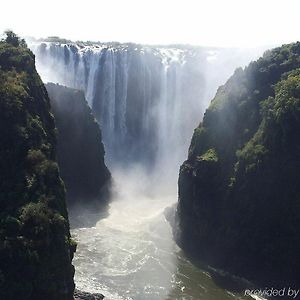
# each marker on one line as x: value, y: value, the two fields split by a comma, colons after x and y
x: 147, y: 99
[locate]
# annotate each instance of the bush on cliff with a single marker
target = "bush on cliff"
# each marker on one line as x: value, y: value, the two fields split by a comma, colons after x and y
x: 241, y: 212
x: 35, y: 245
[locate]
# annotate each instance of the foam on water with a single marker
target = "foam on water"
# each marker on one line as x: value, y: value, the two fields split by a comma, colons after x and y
x: 130, y: 254
x: 147, y: 100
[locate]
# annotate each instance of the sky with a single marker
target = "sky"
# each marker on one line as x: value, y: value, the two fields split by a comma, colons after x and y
x: 242, y: 23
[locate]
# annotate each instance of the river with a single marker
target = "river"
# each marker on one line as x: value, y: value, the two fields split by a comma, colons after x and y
x: 129, y: 253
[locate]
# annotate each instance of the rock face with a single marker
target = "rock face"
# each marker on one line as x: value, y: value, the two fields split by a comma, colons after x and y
x: 239, y: 189
x: 78, y: 295
x: 80, y: 149
x: 35, y: 245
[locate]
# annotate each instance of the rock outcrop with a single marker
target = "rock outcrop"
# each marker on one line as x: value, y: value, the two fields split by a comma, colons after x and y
x: 239, y: 189
x: 80, y: 149
x: 36, y: 249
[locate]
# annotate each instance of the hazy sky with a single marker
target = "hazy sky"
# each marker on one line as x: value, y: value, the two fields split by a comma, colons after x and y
x: 199, y: 22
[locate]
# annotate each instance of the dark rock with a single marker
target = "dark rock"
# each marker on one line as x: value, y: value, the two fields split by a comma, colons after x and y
x: 35, y: 245
x: 80, y: 148
x: 239, y: 190
x: 79, y: 295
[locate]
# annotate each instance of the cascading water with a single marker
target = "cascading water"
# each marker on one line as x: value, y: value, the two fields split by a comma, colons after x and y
x: 147, y: 100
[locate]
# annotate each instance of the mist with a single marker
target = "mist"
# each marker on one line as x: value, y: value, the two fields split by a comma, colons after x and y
x: 147, y: 100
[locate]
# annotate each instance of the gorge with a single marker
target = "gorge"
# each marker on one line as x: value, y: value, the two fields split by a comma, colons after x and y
x: 100, y: 146
x: 147, y: 100
x: 150, y: 150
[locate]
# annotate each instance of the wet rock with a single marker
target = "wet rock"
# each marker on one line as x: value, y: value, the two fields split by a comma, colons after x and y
x: 79, y: 295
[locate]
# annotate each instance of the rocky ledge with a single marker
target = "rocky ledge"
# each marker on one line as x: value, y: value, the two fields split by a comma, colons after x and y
x: 79, y: 295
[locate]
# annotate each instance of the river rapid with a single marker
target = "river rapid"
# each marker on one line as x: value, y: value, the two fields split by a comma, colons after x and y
x: 128, y: 252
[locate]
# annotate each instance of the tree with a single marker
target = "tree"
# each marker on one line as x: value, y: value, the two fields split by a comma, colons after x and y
x: 14, y: 39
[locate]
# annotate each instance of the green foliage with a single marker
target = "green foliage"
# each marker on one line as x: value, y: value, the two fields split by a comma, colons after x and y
x: 35, y: 245
x: 12, y: 39
x: 252, y: 153
x: 199, y: 141
x: 209, y: 155
x: 243, y: 213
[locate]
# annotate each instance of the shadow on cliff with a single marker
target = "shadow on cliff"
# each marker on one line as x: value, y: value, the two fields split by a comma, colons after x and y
x: 205, y: 282
x: 84, y: 213
x: 87, y: 215
x: 218, y: 280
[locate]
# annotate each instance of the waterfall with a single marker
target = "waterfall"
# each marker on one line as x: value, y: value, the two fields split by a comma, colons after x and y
x: 147, y: 99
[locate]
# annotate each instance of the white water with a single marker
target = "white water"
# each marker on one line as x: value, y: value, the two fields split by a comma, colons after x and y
x: 148, y: 100
x: 130, y: 253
